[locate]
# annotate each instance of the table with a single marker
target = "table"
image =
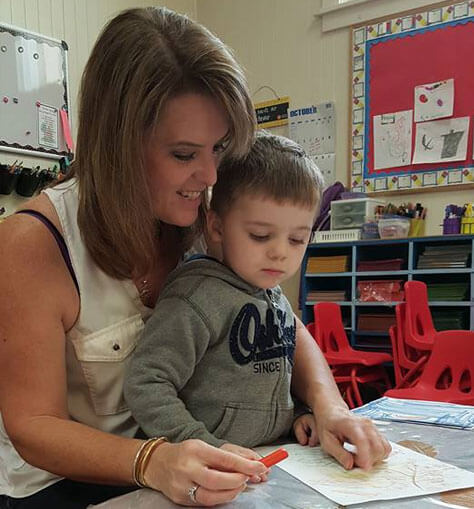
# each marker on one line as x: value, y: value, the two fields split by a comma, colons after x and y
x: 282, y: 491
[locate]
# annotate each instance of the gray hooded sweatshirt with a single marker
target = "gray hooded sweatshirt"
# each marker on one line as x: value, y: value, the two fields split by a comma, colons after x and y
x: 215, y: 360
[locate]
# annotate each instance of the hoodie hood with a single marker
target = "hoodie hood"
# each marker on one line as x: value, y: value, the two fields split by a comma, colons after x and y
x: 201, y: 266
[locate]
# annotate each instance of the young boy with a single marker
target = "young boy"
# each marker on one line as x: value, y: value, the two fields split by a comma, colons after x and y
x: 216, y: 356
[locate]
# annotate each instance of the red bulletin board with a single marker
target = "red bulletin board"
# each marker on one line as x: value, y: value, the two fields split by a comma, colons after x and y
x: 391, y: 57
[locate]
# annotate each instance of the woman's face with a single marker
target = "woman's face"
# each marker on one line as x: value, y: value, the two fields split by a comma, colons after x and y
x: 183, y: 154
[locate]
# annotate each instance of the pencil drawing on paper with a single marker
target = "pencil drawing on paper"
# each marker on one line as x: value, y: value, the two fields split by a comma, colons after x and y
x: 404, y: 474
x: 451, y: 143
x: 392, y: 139
x: 390, y: 475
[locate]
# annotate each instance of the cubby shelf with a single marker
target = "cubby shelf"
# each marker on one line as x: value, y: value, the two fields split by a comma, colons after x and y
x: 409, y: 251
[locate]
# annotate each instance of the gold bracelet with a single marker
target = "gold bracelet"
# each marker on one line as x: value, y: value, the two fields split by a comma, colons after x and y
x: 146, y: 458
x: 142, y: 459
x: 136, y: 461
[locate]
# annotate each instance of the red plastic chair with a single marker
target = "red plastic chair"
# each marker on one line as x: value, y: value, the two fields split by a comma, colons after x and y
x: 348, y: 377
x: 408, y: 363
x: 419, y: 329
x: 392, y: 332
x: 349, y: 366
x: 449, y: 372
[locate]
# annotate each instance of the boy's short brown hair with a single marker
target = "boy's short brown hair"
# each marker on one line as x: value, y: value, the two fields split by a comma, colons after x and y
x: 276, y: 167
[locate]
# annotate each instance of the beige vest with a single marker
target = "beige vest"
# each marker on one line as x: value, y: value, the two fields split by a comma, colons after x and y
x: 97, y: 351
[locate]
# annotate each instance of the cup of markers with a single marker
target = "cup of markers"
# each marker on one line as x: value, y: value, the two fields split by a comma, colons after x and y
x: 8, y: 178
x: 28, y: 182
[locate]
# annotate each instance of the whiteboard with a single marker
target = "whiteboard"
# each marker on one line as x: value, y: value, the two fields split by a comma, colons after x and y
x: 33, y: 91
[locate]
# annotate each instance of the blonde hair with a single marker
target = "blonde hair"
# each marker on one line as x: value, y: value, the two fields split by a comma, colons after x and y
x: 142, y: 58
x: 276, y: 167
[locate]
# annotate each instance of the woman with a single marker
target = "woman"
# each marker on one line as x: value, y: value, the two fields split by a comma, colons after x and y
x: 162, y: 100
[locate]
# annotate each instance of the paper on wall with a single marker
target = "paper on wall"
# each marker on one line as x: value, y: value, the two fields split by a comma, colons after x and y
x: 48, y: 126
x: 326, y: 163
x: 434, y: 100
x: 314, y: 128
x: 404, y: 474
x: 441, y: 141
x: 392, y: 139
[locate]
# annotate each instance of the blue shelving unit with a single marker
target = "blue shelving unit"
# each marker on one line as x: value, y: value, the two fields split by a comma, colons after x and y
x: 409, y: 251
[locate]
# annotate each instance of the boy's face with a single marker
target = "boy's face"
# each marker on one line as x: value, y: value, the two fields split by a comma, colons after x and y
x: 261, y: 240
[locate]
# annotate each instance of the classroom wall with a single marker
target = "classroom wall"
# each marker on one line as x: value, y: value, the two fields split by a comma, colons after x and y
x: 78, y: 22
x: 281, y: 44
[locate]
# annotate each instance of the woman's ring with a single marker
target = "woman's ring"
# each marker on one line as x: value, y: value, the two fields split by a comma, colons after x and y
x: 192, y: 493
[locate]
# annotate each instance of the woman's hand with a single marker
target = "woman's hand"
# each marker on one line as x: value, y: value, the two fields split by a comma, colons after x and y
x: 337, y: 425
x: 219, y: 475
x: 249, y: 454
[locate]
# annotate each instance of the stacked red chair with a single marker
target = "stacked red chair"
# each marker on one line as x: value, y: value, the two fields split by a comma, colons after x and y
x: 351, y: 368
x: 448, y: 374
x: 413, y: 336
x: 408, y: 362
x: 419, y: 329
x: 344, y: 386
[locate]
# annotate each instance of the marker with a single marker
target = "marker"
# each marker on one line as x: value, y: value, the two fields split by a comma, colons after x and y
x: 274, y: 457
x: 350, y: 447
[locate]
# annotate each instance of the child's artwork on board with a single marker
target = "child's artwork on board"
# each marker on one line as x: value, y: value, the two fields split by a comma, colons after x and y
x: 392, y: 139
x: 419, y: 63
x: 434, y: 100
x: 441, y: 141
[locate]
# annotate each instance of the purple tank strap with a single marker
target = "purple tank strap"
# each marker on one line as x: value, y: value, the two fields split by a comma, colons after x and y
x: 57, y: 237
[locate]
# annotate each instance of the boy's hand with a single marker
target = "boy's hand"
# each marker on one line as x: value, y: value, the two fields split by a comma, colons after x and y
x: 337, y: 424
x: 304, y: 428
x: 248, y: 454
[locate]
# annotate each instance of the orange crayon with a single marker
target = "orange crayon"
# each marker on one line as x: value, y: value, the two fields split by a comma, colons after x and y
x: 274, y: 457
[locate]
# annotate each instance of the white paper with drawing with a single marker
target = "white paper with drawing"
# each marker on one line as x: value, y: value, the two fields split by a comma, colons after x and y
x: 404, y: 474
x: 434, y: 100
x: 441, y: 141
x: 392, y: 139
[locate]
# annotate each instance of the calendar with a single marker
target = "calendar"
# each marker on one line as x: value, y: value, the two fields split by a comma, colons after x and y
x: 314, y: 128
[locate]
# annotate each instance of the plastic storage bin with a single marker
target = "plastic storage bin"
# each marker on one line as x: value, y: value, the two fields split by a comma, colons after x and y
x: 336, y: 236
x: 353, y: 213
x: 467, y: 225
x: 380, y: 290
x: 451, y: 225
x: 417, y: 227
x: 370, y: 230
x: 394, y: 227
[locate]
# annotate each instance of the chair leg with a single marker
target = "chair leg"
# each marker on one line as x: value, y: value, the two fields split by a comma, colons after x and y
x: 355, y: 387
x: 410, y: 377
x: 348, y: 397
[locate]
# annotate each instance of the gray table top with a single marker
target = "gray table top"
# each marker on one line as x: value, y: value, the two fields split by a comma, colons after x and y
x: 283, y: 491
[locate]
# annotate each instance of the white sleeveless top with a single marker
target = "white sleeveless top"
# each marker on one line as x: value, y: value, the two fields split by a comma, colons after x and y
x: 98, y: 347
